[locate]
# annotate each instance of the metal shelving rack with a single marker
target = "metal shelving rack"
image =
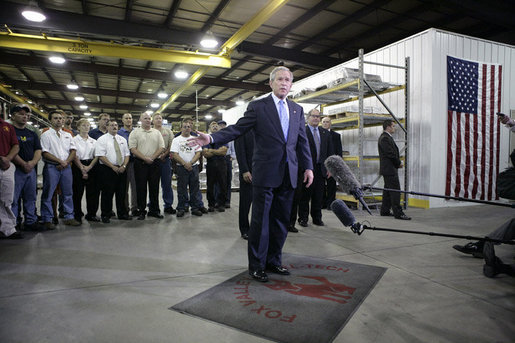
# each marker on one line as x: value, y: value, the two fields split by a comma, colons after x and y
x: 358, y: 90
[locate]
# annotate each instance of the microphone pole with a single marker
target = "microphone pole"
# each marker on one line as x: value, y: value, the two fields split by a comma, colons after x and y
x: 470, y: 238
x: 446, y: 197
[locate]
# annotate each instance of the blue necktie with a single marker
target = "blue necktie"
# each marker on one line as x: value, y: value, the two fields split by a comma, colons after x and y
x: 283, y: 117
x: 317, y: 142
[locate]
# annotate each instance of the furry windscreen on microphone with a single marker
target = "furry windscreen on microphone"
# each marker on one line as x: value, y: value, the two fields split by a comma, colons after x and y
x: 342, y: 212
x: 342, y: 174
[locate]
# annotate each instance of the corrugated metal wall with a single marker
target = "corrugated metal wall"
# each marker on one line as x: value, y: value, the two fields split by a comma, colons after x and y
x: 428, y: 102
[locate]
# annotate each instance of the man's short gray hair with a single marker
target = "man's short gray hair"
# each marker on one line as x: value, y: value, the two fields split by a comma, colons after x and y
x: 276, y: 69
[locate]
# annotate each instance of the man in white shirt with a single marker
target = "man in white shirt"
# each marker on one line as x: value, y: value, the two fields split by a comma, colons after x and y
x: 113, y: 152
x: 146, y: 144
x: 58, y: 153
x: 187, y: 171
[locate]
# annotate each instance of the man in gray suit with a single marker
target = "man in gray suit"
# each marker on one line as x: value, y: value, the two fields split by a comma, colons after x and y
x: 280, y: 146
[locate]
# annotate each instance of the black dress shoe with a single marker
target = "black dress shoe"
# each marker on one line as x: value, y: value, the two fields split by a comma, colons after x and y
x: 180, y: 213
x: 197, y: 213
x: 125, y: 217
x: 155, y: 215
x: 245, y: 236
x: 203, y: 210
x: 170, y: 210
x: 473, y: 248
x: 220, y: 209
x: 277, y: 269
x: 15, y: 235
x: 303, y: 222
x: 106, y: 220
x: 211, y: 209
x: 403, y: 217
x: 259, y: 275
x: 386, y: 214
x: 292, y: 229
x: 141, y: 216
x: 318, y: 222
x: 92, y: 218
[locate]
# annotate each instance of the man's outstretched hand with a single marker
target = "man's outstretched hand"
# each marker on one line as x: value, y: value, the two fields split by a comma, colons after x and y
x: 201, y: 140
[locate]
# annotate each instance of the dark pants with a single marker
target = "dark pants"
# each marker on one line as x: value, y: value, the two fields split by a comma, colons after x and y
x: 147, y: 174
x: 245, y: 202
x: 216, y: 171
x: 329, y: 192
x: 112, y: 183
x: 92, y: 190
x: 268, y: 227
x: 188, y: 179
x: 228, y: 162
x: 313, y: 193
x: 391, y: 199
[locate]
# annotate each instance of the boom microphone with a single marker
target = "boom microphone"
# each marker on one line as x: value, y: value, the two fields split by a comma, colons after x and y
x: 344, y: 214
x: 345, y: 178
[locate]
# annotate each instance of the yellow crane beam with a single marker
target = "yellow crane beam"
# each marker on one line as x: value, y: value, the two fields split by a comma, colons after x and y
x: 33, y: 109
x: 80, y: 47
x: 246, y: 30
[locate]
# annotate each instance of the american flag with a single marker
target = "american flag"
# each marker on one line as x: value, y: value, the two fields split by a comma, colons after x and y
x: 473, y: 130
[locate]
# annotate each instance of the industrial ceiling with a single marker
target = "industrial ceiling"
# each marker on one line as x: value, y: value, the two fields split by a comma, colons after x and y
x: 122, y: 54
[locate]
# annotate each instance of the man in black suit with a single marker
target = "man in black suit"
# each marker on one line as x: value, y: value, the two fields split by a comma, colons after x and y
x: 244, y: 147
x: 330, y: 183
x: 389, y: 162
x: 280, y: 147
x: 321, y: 147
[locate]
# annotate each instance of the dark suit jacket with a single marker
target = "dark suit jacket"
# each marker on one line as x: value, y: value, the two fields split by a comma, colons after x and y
x: 244, y: 148
x: 337, y: 143
x: 326, y: 146
x: 389, y: 160
x: 271, y: 151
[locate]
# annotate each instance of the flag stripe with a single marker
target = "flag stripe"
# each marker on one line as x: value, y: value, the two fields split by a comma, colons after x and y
x: 473, y: 131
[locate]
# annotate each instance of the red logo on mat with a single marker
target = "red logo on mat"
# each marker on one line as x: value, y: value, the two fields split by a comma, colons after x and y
x: 325, y: 289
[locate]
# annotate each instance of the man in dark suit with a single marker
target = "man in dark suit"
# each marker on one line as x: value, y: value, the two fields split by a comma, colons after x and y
x: 280, y: 146
x: 244, y: 147
x: 330, y: 183
x: 321, y: 147
x: 389, y: 162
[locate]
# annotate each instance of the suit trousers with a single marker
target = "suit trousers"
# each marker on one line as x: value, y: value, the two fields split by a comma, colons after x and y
x: 216, y: 171
x: 111, y: 184
x: 91, y: 184
x: 313, y: 193
x: 147, y: 174
x: 51, y: 178
x: 131, y: 181
x: 25, y: 189
x: 7, y: 219
x: 268, y: 228
x: 391, y: 199
x: 329, y: 193
x: 245, y: 203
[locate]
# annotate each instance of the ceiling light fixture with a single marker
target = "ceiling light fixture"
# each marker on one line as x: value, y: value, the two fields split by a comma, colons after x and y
x: 209, y: 41
x: 87, y: 114
x: 221, y: 110
x: 154, y: 105
x: 162, y: 95
x: 33, y: 13
x: 72, y: 86
x: 79, y: 98
x: 57, y: 59
x: 208, y: 117
x: 147, y: 112
x: 181, y: 74
x: 83, y: 107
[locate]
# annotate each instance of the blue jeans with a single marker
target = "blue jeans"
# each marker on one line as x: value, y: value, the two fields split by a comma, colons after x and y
x: 25, y: 189
x: 166, y: 182
x: 51, y: 178
x: 188, y: 179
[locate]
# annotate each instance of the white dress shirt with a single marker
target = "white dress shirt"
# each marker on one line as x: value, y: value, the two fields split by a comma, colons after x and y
x: 85, y: 148
x: 105, y: 147
x: 59, y: 146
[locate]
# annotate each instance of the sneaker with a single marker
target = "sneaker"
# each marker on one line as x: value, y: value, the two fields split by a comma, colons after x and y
x: 197, y: 213
x: 473, y: 248
x: 71, y: 222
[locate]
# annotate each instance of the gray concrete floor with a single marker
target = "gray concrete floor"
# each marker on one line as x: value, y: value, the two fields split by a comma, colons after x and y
x: 114, y: 283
